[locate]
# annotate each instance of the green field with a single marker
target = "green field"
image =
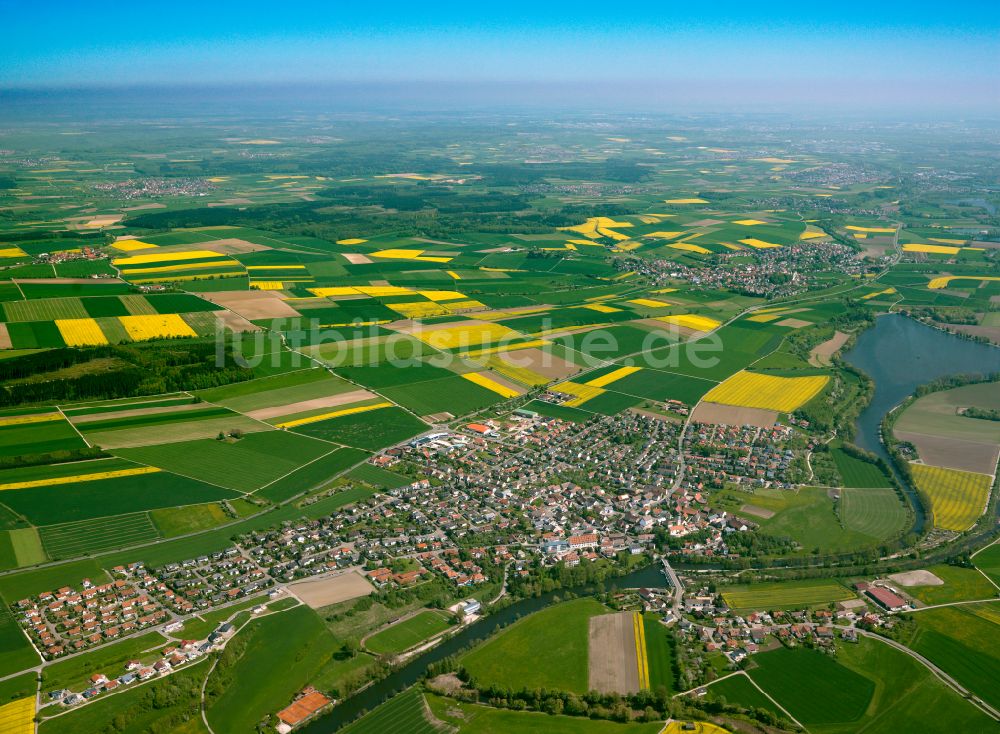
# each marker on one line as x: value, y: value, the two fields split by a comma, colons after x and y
x: 738, y: 690
x: 378, y: 477
x: 808, y: 516
x: 988, y: 561
x: 786, y: 594
x: 16, y: 653
x: 408, y: 633
x: 94, y: 536
x: 858, y: 473
x: 244, y: 465
x: 27, y: 546
x: 87, y: 500
x: 361, y: 430
x: 401, y: 713
x: 660, y: 652
x: 876, y: 512
x: 21, y: 585
x: 960, y: 584
x: 547, y: 649
x: 283, y: 653
x: 174, y: 521
x: 812, y: 687
x: 964, y: 642
x: 312, y: 475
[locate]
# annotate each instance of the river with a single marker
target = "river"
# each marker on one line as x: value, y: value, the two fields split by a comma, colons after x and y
x: 899, y: 354
x: 410, y: 673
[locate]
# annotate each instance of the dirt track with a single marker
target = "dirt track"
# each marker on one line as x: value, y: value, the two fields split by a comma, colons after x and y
x: 612, y: 659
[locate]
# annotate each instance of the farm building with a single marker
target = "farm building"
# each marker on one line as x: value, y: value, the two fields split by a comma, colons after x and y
x: 888, y: 600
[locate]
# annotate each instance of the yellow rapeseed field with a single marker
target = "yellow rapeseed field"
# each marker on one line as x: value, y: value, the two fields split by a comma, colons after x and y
x: 80, y: 332
x: 351, y: 241
x: 18, y: 717
x: 748, y: 222
x: 811, y: 234
x: 8, y: 252
x: 690, y: 248
x: 266, y: 285
x: 665, y: 235
x: 478, y: 378
x: 639, y: 634
x: 474, y: 353
x: 418, y: 309
x: 162, y: 257
x: 943, y: 281
x: 132, y: 245
x: 649, y: 302
x: 186, y: 266
x: 601, y: 308
x: 333, y: 414
x: 76, y: 478
x: 453, y: 274
x: 607, y: 379
x: 752, y: 390
x: 759, y: 244
x: 404, y: 254
x: 692, y: 200
x: 464, y: 335
x: 21, y: 420
x: 442, y: 295
x: 932, y: 249
x: 887, y: 292
x: 691, y: 321
x: 519, y: 374
x: 957, y: 498
x: 871, y: 230
x: 141, y: 328
x: 581, y: 393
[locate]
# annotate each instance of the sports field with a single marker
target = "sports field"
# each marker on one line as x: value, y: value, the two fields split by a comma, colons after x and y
x: 404, y: 635
x: 786, y: 594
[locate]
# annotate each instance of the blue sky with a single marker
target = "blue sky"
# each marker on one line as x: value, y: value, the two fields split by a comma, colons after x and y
x: 951, y: 48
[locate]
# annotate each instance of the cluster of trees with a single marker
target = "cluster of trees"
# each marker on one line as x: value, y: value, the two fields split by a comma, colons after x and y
x: 986, y: 414
x: 654, y: 705
x: 52, y: 457
x: 127, y: 370
x: 542, y: 580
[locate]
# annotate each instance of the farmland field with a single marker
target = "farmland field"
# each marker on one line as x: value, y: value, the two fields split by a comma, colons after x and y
x: 393, y: 426
x: 858, y: 473
x: 244, y: 465
x: 812, y: 687
x: 547, y: 649
x: 94, y: 536
x: 172, y: 521
x: 960, y: 584
x: 404, y: 635
x: 957, y: 497
x: 751, y: 390
x: 404, y: 712
x: 988, y: 561
x: 738, y: 690
x: 786, y: 595
x: 16, y: 653
x: 660, y: 652
x: 963, y: 642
